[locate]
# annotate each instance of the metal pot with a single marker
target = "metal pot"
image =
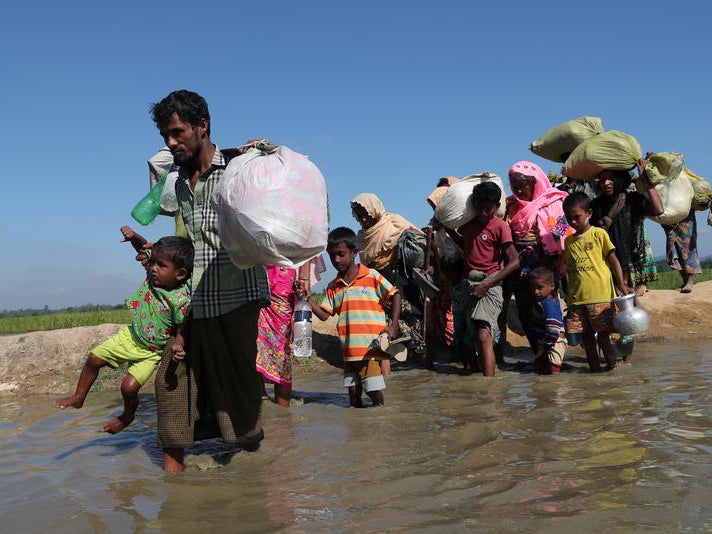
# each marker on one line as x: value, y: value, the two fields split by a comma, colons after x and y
x: 629, y: 320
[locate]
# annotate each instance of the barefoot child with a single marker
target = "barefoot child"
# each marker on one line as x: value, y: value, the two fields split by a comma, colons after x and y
x: 158, y: 309
x: 548, y: 322
x: 358, y: 296
x: 591, y: 264
x: 487, y: 243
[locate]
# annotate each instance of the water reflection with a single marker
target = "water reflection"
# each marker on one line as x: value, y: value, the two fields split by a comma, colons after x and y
x: 624, y: 450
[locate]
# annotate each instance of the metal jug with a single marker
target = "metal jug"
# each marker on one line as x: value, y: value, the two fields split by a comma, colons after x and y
x: 629, y: 320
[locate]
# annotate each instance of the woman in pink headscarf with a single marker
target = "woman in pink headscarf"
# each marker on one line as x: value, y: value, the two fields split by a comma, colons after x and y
x: 535, y: 214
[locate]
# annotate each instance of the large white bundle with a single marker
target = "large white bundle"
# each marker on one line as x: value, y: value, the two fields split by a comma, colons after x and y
x: 272, y: 209
x: 455, y: 208
x: 677, y: 198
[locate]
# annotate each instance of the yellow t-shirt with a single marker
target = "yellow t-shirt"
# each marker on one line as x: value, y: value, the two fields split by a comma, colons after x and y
x: 589, y: 278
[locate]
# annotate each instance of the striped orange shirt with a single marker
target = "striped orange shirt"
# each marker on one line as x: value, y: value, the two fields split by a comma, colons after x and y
x: 360, y: 307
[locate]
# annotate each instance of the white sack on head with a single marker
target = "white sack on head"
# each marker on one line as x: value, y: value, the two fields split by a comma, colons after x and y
x: 272, y: 209
x: 455, y: 207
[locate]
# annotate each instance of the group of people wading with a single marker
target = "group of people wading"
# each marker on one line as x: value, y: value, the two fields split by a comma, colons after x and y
x: 217, y: 334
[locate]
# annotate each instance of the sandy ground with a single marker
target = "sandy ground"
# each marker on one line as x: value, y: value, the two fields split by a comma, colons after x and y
x: 49, y: 362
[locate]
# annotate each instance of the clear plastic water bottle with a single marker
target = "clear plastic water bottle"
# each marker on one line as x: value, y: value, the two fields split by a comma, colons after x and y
x: 302, y: 345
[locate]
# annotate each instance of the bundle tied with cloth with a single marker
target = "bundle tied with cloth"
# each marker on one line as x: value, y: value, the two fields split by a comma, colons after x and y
x: 680, y: 189
x: 272, y: 207
x: 559, y: 142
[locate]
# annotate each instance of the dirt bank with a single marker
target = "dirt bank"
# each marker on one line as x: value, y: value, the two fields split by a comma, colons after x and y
x: 49, y: 362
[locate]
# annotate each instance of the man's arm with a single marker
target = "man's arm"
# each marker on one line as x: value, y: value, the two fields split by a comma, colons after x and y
x: 178, y: 347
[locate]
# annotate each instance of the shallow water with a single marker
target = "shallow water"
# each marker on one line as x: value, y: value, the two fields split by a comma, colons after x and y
x: 628, y: 450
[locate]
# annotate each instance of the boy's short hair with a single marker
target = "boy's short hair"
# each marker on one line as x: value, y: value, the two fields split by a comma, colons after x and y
x: 488, y: 192
x: 543, y: 273
x: 579, y: 199
x: 179, y: 250
x: 342, y: 234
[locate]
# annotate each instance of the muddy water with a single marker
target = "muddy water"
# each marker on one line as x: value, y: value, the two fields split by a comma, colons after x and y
x: 628, y: 450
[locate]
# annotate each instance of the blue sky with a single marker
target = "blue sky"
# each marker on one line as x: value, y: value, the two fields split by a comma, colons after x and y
x: 384, y: 96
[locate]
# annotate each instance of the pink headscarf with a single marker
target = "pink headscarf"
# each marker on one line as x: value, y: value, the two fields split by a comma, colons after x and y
x: 545, y: 209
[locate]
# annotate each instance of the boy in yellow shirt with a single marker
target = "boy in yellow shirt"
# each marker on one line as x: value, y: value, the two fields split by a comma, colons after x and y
x: 591, y: 265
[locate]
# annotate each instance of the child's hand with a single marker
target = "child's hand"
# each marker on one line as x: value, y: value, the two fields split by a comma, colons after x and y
x: 178, y: 352
x: 480, y: 290
x: 128, y: 233
x: 302, y: 289
x: 391, y: 331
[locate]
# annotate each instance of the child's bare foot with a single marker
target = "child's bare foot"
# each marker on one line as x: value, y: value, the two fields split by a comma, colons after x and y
x: 687, y: 288
x: 75, y: 401
x: 641, y: 289
x: 116, y: 424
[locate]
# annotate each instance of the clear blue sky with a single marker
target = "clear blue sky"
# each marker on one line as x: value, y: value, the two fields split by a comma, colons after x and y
x: 384, y: 96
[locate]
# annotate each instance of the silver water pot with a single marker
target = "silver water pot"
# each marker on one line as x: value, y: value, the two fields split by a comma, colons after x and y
x: 629, y: 320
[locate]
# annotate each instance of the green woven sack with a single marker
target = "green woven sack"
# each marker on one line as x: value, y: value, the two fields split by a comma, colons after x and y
x: 664, y: 166
x: 610, y: 150
x: 561, y: 140
x: 701, y: 187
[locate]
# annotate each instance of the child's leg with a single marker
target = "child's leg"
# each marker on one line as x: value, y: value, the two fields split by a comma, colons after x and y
x: 487, y: 358
x: 173, y: 460
x: 355, y: 396
x: 589, y: 345
x: 385, y: 364
x: 604, y: 341
x: 87, y: 377
x: 129, y: 391
x: 376, y: 397
x: 282, y: 394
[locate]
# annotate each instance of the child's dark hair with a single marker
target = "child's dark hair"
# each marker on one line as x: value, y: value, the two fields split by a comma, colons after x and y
x: 342, y: 235
x: 179, y: 250
x: 544, y: 274
x: 579, y: 199
x: 486, y: 192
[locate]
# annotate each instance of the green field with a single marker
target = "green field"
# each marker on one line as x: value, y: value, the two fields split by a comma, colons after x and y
x: 673, y: 280
x: 54, y: 321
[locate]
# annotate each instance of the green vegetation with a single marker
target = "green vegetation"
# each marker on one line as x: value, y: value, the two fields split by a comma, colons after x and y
x: 672, y: 279
x: 69, y: 319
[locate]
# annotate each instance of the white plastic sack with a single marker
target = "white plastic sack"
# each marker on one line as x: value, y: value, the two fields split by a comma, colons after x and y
x: 272, y: 209
x: 677, y: 198
x: 159, y: 164
x: 455, y: 208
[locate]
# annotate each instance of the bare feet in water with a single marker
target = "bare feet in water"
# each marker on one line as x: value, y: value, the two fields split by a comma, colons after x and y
x: 116, y: 424
x: 74, y: 401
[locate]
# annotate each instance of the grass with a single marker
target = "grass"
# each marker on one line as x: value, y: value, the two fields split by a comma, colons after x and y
x: 672, y: 279
x: 54, y: 321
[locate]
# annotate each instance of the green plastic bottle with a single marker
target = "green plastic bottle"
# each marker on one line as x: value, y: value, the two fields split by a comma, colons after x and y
x: 148, y: 208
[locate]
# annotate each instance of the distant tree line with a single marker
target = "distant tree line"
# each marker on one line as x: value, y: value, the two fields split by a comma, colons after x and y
x: 24, y: 312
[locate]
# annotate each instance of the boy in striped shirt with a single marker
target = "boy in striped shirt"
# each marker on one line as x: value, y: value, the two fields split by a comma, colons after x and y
x: 359, y: 296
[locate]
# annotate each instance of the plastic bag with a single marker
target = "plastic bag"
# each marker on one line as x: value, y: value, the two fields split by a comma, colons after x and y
x: 272, y: 208
x: 610, y: 150
x: 160, y: 164
x: 702, y: 191
x: 676, y: 196
x: 664, y: 166
x: 455, y: 207
x: 557, y: 143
